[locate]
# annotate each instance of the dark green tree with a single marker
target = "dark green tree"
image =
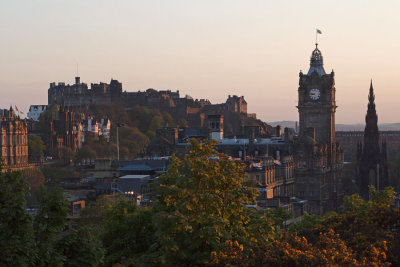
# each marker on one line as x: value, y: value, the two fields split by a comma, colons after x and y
x: 79, y: 247
x: 128, y: 234
x: 49, y: 223
x: 86, y: 153
x: 17, y: 247
x: 35, y: 147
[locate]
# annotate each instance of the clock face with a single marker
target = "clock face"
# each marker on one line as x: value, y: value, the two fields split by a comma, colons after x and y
x: 315, y: 94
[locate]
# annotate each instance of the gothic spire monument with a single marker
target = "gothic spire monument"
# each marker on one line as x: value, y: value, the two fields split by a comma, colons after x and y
x: 371, y: 158
x: 318, y: 157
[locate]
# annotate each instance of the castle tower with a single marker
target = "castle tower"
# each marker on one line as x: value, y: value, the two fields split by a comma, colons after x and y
x: 372, y: 163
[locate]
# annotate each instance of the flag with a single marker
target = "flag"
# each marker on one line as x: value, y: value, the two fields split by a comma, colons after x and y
x: 319, y: 31
x: 16, y: 108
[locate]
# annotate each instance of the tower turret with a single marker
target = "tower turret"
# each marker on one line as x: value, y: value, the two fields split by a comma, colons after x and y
x: 316, y: 62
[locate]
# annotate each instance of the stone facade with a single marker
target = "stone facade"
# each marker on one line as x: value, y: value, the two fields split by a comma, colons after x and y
x: 13, y: 140
x: 274, y: 179
x: 350, y: 139
x: 64, y: 131
x: 319, y: 159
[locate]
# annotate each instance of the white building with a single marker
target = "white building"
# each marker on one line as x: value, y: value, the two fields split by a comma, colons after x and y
x: 35, y: 111
x: 96, y: 128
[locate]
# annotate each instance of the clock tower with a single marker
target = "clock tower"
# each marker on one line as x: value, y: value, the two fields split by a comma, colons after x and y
x: 318, y: 158
x: 317, y: 104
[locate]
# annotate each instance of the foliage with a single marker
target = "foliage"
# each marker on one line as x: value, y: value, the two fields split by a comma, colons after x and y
x: 49, y: 222
x: 80, y: 248
x: 307, y: 223
x: 115, y: 112
x: 36, y: 180
x: 201, y: 204
x: 371, y: 228
x: 132, y: 139
x: 54, y: 174
x: 93, y: 216
x: 50, y: 113
x: 65, y: 155
x: 17, y: 247
x: 278, y: 216
x: 128, y: 234
x: 45, y: 241
x: 86, y: 153
x: 230, y: 255
x: 294, y: 250
x: 35, y: 147
x: 349, y: 175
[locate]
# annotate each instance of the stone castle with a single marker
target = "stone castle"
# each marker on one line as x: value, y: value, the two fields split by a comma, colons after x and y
x: 79, y: 96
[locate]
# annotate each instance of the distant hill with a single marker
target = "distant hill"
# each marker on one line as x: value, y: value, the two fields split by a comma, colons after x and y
x: 344, y: 127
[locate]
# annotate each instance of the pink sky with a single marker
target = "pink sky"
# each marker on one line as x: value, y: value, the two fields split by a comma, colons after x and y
x: 206, y: 49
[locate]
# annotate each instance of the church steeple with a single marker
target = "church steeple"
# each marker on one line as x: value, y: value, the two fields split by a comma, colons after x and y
x: 316, y: 62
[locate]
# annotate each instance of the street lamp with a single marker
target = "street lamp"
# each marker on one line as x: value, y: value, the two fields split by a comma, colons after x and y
x: 118, y: 126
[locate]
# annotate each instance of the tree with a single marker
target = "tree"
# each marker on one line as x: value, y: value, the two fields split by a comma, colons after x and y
x: 49, y: 222
x: 80, y: 248
x: 133, y: 139
x: 17, y: 247
x: 370, y: 228
x: 36, y: 180
x: 128, y: 234
x: 86, y: 153
x: 294, y: 250
x: 35, y: 147
x: 65, y: 154
x: 201, y: 205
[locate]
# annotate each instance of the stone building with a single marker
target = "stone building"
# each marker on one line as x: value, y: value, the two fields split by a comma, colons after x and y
x: 350, y: 139
x: 372, y: 167
x: 274, y: 180
x: 13, y: 139
x: 319, y: 159
x: 93, y: 128
x: 64, y: 131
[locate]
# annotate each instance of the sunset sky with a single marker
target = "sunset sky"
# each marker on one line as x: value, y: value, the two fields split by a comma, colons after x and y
x: 206, y: 49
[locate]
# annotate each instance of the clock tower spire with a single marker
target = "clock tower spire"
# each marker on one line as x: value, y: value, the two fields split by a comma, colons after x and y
x: 317, y: 105
x: 318, y: 157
